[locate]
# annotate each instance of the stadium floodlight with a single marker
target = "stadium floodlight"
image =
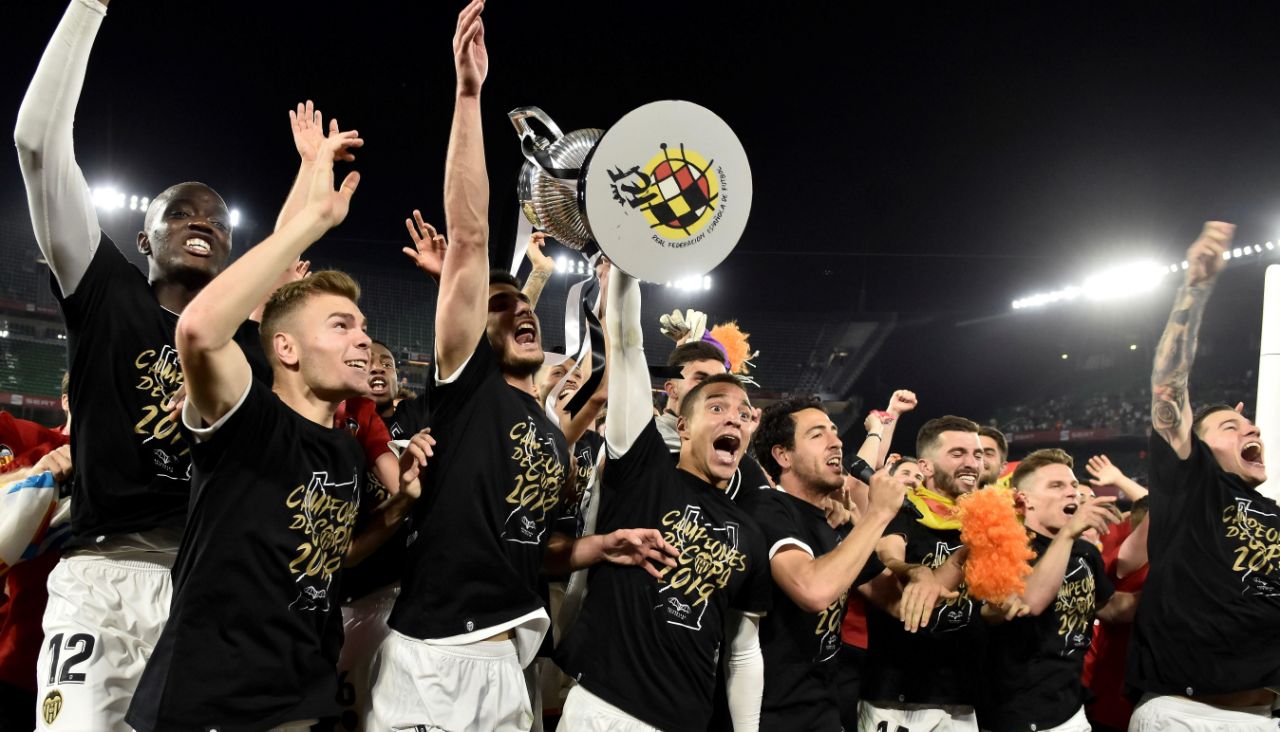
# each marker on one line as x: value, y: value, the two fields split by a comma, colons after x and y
x: 1123, y: 281
x: 107, y: 198
x: 235, y: 217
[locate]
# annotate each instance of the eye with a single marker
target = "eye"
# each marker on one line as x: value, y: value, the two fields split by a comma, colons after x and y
x: 716, y: 408
x: 219, y: 225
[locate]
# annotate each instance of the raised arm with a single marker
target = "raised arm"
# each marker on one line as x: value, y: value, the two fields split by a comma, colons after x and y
x: 901, y: 402
x: 308, y: 135
x: 814, y: 584
x: 1105, y: 473
x: 1047, y: 576
x: 542, y: 268
x: 1170, y: 402
x: 216, y: 372
x: 462, y: 306
x: 630, y: 400
x: 62, y: 213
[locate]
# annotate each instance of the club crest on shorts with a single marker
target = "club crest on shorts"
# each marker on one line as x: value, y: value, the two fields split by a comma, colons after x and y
x: 51, y: 707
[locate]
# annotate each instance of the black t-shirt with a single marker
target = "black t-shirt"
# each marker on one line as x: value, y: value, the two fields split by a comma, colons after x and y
x: 1209, y: 619
x: 649, y: 647
x: 586, y: 451
x: 134, y: 466
x: 1035, y: 663
x: 384, y: 565
x: 255, y: 625
x: 410, y: 417
x: 486, y: 512
x: 940, y: 663
x: 799, y: 646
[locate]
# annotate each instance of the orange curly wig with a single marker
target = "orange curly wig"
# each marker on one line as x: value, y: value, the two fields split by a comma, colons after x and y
x: 999, y: 557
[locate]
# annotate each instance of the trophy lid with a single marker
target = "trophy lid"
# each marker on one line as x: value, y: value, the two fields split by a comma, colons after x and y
x: 668, y: 191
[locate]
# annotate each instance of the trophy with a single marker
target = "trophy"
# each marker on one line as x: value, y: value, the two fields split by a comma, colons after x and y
x: 665, y: 193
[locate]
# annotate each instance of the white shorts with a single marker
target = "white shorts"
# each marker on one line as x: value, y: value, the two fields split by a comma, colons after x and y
x: 1077, y: 723
x: 1180, y: 714
x: 586, y: 712
x: 418, y: 686
x: 103, y: 619
x: 364, y: 627
x: 916, y: 718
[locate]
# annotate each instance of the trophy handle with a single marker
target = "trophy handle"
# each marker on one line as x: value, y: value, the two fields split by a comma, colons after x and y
x: 535, y: 145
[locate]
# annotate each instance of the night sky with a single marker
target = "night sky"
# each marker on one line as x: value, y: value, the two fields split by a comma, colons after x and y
x: 932, y: 160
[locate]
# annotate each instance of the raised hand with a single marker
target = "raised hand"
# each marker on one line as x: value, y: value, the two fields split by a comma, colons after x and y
x: 538, y: 258
x: 429, y: 246
x: 919, y: 598
x: 1205, y: 254
x: 901, y: 402
x: 308, y: 130
x: 1103, y: 472
x: 1094, y: 513
x: 413, y: 461
x: 639, y: 548
x: 329, y: 204
x: 470, y: 57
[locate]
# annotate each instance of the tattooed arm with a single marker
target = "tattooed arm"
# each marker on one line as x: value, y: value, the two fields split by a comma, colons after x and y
x: 1170, y: 403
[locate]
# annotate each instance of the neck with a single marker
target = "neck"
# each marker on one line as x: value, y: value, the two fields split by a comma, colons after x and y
x: 523, y: 383
x: 301, y: 399
x: 689, y: 465
x: 811, y: 494
x: 175, y: 293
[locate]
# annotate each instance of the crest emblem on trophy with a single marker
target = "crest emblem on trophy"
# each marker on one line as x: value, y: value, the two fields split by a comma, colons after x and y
x: 665, y: 193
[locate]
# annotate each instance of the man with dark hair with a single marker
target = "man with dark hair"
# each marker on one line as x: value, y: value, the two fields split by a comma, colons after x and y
x: 995, y: 454
x: 645, y: 648
x: 109, y: 595
x: 1206, y: 645
x: 469, y: 617
x: 929, y: 679
x: 813, y: 566
x: 1036, y: 661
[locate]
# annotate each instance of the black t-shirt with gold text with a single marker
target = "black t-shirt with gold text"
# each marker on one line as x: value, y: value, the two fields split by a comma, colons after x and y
x: 1035, y: 663
x: 800, y: 647
x: 255, y: 625
x: 940, y: 663
x: 1209, y: 618
x: 487, y: 509
x: 133, y: 466
x: 650, y: 646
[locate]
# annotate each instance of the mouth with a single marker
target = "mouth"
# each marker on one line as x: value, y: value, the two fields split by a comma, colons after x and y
x: 378, y: 384
x: 967, y: 479
x: 725, y: 448
x: 360, y: 363
x: 526, y: 334
x: 197, y: 246
x: 1070, y: 509
x: 836, y: 462
x: 1252, y: 454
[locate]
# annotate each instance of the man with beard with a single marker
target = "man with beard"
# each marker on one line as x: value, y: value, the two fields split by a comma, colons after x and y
x: 469, y: 618
x: 1206, y: 645
x: 813, y: 565
x: 1036, y: 662
x: 109, y: 595
x: 995, y: 454
x: 929, y: 679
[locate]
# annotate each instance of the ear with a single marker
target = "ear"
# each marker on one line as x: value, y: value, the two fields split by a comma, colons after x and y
x: 669, y: 387
x: 285, y: 348
x: 1020, y: 501
x: 782, y: 456
x: 682, y: 427
x: 926, y: 467
x: 144, y: 244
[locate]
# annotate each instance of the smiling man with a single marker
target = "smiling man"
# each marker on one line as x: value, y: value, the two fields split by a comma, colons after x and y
x: 109, y: 595
x: 928, y: 679
x: 1206, y: 645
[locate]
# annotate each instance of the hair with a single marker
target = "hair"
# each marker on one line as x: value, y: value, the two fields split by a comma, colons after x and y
x: 66, y: 383
x: 998, y: 436
x: 1138, y: 511
x: 778, y: 428
x: 930, y: 435
x: 893, y: 469
x: 1037, y: 460
x: 503, y: 277
x: 694, y: 351
x: 1203, y: 412
x: 686, y: 406
x: 289, y: 298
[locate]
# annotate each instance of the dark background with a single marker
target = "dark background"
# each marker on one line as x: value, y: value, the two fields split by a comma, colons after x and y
x: 937, y: 161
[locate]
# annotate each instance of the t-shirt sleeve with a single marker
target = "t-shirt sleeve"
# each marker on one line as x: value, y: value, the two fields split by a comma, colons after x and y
x: 904, y: 524
x: 248, y: 425
x: 449, y: 396
x: 756, y: 595
x: 778, y: 525
x: 648, y: 453
x: 108, y: 272
x: 753, y: 476
x: 872, y: 569
x: 1171, y: 474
